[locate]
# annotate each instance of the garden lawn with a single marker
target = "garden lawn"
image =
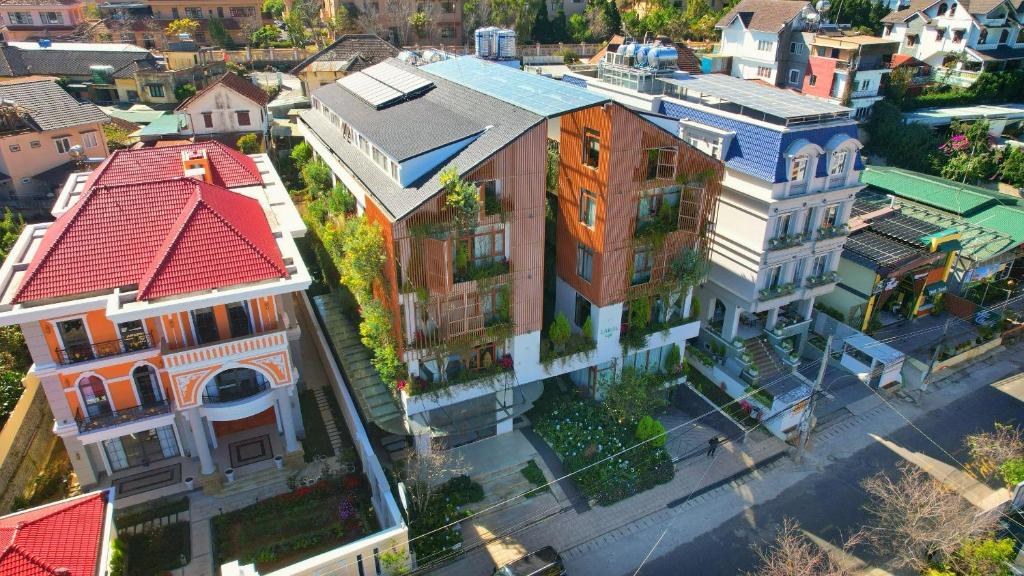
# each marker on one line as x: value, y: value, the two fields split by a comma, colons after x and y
x: 582, y: 433
x: 300, y: 524
x: 316, y: 442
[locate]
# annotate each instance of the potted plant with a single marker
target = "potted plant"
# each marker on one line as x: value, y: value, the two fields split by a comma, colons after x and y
x: 777, y: 331
x: 190, y: 483
x: 279, y: 461
x: 229, y: 474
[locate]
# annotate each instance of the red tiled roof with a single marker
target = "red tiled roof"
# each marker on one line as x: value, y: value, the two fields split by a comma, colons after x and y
x: 236, y: 83
x: 61, y: 538
x: 167, y: 237
x: 231, y: 168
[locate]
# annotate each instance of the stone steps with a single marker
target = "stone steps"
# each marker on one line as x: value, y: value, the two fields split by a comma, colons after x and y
x: 325, y: 412
x: 245, y: 481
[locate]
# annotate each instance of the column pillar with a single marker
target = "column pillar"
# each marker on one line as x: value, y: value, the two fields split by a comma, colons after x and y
x: 504, y: 401
x: 80, y: 461
x: 195, y: 423
x: 772, y: 319
x: 291, y: 444
x: 422, y: 442
x: 806, y: 307
x: 731, y: 323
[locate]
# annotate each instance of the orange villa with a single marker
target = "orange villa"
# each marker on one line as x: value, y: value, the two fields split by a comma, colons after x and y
x: 158, y: 311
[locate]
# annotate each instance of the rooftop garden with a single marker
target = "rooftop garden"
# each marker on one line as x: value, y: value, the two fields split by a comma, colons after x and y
x: 297, y: 525
x: 561, y: 342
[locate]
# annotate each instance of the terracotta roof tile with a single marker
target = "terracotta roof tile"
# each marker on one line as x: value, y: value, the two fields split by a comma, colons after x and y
x: 231, y: 168
x: 66, y: 535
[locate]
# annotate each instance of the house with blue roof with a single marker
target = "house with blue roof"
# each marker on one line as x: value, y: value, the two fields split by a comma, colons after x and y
x: 792, y: 171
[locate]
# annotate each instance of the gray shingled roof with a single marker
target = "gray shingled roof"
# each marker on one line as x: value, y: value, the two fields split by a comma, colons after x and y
x: 902, y: 15
x: 17, y: 62
x: 357, y: 51
x: 49, y: 106
x: 764, y: 15
x: 427, y: 123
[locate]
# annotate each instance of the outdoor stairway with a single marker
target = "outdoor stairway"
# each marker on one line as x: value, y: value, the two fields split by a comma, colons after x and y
x: 328, y: 417
x: 374, y: 399
x: 766, y: 359
x: 245, y: 481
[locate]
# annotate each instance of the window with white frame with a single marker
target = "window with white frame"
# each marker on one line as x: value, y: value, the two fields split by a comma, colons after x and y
x: 782, y: 225
x: 193, y: 12
x: 242, y: 11
x: 51, y: 17
x: 830, y: 216
x: 764, y: 72
x: 798, y: 169
x: 24, y: 18
x: 820, y: 265
x: 89, y: 139
x: 794, y: 76
x: 765, y: 45
x: 63, y: 144
x: 773, y: 277
x: 584, y: 261
x: 837, y: 162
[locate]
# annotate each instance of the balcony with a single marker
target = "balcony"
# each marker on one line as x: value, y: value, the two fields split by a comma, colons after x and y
x: 826, y: 232
x: 85, y: 352
x: 216, y: 393
x: 87, y: 423
x: 821, y: 280
x: 870, y: 93
x: 478, y: 270
x: 773, y: 292
x: 797, y: 188
x: 786, y: 241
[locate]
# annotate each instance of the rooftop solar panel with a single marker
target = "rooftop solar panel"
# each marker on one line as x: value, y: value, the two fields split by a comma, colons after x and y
x: 753, y: 95
x: 401, y: 80
x: 880, y: 249
x: 903, y: 227
x: 372, y: 91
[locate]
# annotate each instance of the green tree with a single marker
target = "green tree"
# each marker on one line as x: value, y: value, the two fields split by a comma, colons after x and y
x: 183, y: 92
x: 984, y: 557
x: 612, y: 18
x: 420, y: 24
x: 558, y: 29
x: 516, y: 14
x: 182, y: 26
x: 341, y: 201
x: 1012, y: 471
x: 317, y: 176
x: 301, y: 154
x: 649, y: 428
x: 219, y: 34
x: 10, y: 392
x: 264, y: 36
x: 343, y: 22
x: 273, y: 7
x: 248, y: 144
x: 632, y: 395
x: 1012, y: 167
x: 578, y: 28
x: 541, y: 31
x: 910, y: 146
x: 296, y: 29
x: 862, y: 14
x: 10, y: 229
x: 362, y: 257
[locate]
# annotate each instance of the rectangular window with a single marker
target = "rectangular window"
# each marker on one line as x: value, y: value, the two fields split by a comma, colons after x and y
x: 837, y: 162
x: 447, y: 32
x: 346, y: 132
x: 63, y: 144
x: 75, y: 340
x: 485, y: 246
x: 764, y: 72
x: 204, y: 323
x: 242, y: 11
x: 584, y: 262
x: 133, y: 335
x: 220, y: 12
x: 658, y: 204
x: 52, y: 17
x: 794, y: 76
x: 175, y: 14
x: 208, y: 119
x: 591, y: 147
x: 642, y: 263
x: 379, y: 158
x: 813, y: 80
x: 448, y: 7
x: 394, y: 171
x: 773, y: 277
x: 238, y: 319
x: 588, y: 208
x: 35, y: 144
x: 798, y: 169
x: 581, y: 311
x: 89, y: 138
x: 661, y: 163
x: 831, y: 215
x: 243, y: 117
x: 765, y: 45
x: 155, y: 90
x: 490, y: 196
x: 782, y: 225
x: 193, y: 12
x: 820, y: 265
x: 14, y: 148
x: 24, y: 18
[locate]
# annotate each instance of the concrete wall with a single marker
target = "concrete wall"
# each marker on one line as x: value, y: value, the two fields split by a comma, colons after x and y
x: 25, y: 161
x: 224, y: 104
x: 25, y: 443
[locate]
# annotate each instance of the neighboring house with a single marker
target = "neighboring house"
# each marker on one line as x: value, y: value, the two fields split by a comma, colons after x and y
x: 392, y: 20
x: 144, y: 22
x: 756, y: 35
x: 960, y: 37
x: 35, y: 19
x: 792, y: 165
x: 40, y: 127
x: 471, y: 302
x: 991, y: 224
x: 159, y: 312
x: 229, y: 105
x: 894, y: 266
x: 847, y: 69
x: 70, y: 537
x: 687, y: 60
x: 349, y: 53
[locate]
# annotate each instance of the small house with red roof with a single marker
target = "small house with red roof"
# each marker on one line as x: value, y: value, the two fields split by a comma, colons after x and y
x: 156, y: 308
x: 67, y: 538
x: 229, y: 105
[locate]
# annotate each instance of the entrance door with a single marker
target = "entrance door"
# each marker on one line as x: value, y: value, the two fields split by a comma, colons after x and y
x: 147, y: 385
x: 141, y: 449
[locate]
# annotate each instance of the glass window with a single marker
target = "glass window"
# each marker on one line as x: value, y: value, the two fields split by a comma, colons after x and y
x: 774, y: 277
x: 591, y: 147
x: 837, y: 163
x: 820, y: 265
x: 89, y: 139
x: 588, y: 207
x: 75, y: 340
x: 52, y: 17
x: 794, y: 76
x: 208, y: 119
x: 447, y: 32
x: 63, y: 144
x: 14, y: 148
x: 782, y: 225
x: 238, y: 319
x: 35, y: 144
x: 133, y: 335
x: 204, y: 323
x: 581, y: 311
x: 798, y: 169
x: 813, y: 80
x: 243, y: 117
x: 642, y: 264
x: 346, y: 132
x: 20, y: 17
x: 661, y: 163
x: 491, y: 197
x: 584, y: 262
x: 828, y: 220
x: 141, y: 449
x: 147, y: 385
x: 94, y: 396
x: 764, y: 71
x: 156, y: 90
x: 653, y: 202
x: 193, y: 12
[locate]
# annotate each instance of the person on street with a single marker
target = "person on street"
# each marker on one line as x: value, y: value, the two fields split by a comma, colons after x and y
x: 712, y: 446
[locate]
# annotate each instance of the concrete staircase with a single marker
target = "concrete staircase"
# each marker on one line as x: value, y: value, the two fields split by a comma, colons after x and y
x: 328, y: 417
x: 765, y: 358
x: 374, y: 399
x: 245, y: 481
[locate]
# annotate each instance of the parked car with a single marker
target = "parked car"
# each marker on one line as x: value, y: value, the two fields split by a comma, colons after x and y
x: 543, y: 562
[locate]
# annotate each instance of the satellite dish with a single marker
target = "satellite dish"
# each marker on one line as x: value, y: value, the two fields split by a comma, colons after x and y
x: 823, y: 5
x: 812, y: 16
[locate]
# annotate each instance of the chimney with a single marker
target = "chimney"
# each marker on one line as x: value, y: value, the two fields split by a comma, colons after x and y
x: 196, y: 164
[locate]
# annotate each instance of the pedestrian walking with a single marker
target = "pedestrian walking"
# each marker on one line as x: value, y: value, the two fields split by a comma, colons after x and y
x: 712, y: 446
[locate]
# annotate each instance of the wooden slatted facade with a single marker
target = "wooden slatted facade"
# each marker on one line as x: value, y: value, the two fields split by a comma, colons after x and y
x: 617, y: 182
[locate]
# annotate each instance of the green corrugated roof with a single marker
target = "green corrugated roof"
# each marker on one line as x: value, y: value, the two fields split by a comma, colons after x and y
x: 980, y: 241
x: 1006, y: 219
x: 134, y: 116
x: 162, y: 126
x: 947, y: 195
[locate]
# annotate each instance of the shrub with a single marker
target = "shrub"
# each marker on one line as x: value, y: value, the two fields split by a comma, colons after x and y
x: 559, y: 331
x: 248, y: 144
x: 301, y: 153
x: 535, y: 476
x: 341, y: 201
x: 984, y: 557
x: 588, y: 328
x: 184, y: 92
x: 672, y: 359
x: 650, y: 428
x: 317, y: 177
x: 1012, y: 471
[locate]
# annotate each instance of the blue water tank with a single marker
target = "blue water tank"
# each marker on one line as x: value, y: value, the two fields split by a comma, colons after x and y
x: 663, y: 57
x: 45, y: 43
x: 630, y: 49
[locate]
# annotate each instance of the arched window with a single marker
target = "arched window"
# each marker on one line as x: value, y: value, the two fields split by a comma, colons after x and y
x: 147, y: 385
x: 94, y: 396
x: 798, y: 169
x: 952, y: 9
x: 942, y: 9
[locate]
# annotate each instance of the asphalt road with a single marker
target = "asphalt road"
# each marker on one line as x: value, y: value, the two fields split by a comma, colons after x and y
x: 829, y: 504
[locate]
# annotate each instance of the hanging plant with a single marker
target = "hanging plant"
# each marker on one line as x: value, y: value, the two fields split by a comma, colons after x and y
x: 462, y: 197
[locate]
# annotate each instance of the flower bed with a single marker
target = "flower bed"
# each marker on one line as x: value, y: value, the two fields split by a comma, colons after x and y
x: 582, y: 433
x: 300, y: 524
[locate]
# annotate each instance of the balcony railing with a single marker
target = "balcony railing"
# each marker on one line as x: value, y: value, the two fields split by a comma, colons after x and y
x: 84, y: 352
x: 234, y: 392
x: 864, y: 93
x: 826, y: 232
x: 481, y: 270
x: 779, y: 291
x: 837, y: 180
x: 87, y: 423
x: 786, y: 241
x: 797, y: 188
x: 820, y: 280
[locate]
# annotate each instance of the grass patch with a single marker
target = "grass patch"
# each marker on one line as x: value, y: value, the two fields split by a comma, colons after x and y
x: 155, y: 551
x: 535, y: 476
x: 317, y: 442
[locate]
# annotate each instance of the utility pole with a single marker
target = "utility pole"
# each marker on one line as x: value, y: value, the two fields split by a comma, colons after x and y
x: 935, y: 357
x: 805, y: 422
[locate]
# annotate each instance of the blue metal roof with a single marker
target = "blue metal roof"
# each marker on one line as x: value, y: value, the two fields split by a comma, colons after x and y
x: 758, y: 150
x: 538, y: 94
